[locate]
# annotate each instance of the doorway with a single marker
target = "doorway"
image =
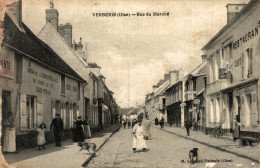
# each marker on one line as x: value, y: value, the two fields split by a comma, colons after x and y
x: 6, y: 109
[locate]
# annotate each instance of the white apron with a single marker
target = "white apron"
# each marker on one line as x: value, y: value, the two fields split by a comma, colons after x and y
x: 138, y: 142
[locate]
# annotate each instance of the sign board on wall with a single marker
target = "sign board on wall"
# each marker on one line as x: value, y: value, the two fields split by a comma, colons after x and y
x: 7, y: 63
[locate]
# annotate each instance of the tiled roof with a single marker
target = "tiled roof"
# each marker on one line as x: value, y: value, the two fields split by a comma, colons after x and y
x: 28, y: 43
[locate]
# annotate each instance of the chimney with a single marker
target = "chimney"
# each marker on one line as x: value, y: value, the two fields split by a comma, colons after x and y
x: 16, y: 10
x: 232, y: 10
x: 52, y: 15
x: 180, y: 74
x: 166, y: 77
x: 173, y: 76
x: 204, y: 57
x: 66, y: 32
x: 155, y: 87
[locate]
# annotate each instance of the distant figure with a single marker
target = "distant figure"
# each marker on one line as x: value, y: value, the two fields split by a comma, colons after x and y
x: 188, y: 125
x: 41, y: 136
x: 133, y: 123
x: 87, y: 132
x: 129, y: 124
x: 146, y: 125
x: 162, y: 122
x: 237, y: 128
x: 124, y: 123
x: 156, y: 121
x: 78, y: 135
x: 138, y: 137
x: 57, y: 127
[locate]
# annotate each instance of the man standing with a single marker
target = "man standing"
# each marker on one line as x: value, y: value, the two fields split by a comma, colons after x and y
x: 162, y: 122
x: 188, y: 125
x: 146, y: 124
x: 138, y: 137
x: 57, y: 127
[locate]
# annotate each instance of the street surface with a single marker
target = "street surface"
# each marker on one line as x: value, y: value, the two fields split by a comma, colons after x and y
x: 164, y: 150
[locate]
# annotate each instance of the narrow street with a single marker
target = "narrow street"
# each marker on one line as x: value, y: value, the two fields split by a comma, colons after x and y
x: 165, y: 150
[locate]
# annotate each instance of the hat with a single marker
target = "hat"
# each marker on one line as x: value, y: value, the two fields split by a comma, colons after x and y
x: 79, y: 117
x: 57, y: 115
x: 139, y: 120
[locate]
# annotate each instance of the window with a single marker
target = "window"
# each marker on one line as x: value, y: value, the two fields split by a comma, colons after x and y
x: 78, y: 90
x: 248, y: 108
x: 31, y: 111
x: 19, y: 67
x: 62, y: 84
x: 94, y: 88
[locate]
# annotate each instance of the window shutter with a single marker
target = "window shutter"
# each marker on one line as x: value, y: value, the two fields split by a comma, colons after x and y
x: 253, y: 115
x: 243, y: 66
x: 250, y: 61
x: 77, y: 108
x: 242, y: 111
x: 53, y: 109
x: 23, y: 116
x: 39, y: 112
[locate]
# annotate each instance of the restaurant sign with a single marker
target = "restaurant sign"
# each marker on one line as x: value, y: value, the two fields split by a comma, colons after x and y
x: 7, y: 63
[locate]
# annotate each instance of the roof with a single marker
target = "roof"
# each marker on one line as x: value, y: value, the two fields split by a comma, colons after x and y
x: 134, y: 111
x: 93, y: 65
x: 51, y: 37
x: 250, y: 5
x: 159, y: 91
x: 27, y: 42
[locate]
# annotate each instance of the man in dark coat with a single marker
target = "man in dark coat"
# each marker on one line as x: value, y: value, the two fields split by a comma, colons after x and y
x: 188, y: 125
x: 156, y: 121
x: 162, y: 122
x: 57, y: 127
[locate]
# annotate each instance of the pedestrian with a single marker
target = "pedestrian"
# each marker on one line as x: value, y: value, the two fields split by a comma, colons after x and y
x: 133, y: 123
x: 87, y: 132
x: 129, y: 124
x: 41, y: 136
x: 124, y: 123
x: 237, y: 128
x: 79, y: 131
x: 161, y: 122
x: 57, y: 128
x: 146, y: 125
x: 138, y: 137
x: 188, y: 125
x: 156, y: 121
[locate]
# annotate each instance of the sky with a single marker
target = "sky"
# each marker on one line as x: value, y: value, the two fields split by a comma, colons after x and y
x: 135, y: 52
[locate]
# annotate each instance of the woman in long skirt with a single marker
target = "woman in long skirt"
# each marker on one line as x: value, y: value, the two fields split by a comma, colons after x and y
x: 79, y: 132
x: 138, y: 137
x: 87, y: 128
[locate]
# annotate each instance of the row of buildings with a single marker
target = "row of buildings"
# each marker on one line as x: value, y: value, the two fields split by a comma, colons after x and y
x: 44, y: 75
x: 223, y: 86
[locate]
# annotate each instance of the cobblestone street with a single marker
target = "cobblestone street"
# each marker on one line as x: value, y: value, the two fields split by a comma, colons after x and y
x: 165, y: 150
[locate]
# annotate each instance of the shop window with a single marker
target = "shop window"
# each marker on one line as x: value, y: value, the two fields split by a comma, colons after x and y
x: 31, y: 111
x: 62, y: 84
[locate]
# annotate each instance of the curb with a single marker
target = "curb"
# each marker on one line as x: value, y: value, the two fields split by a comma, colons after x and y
x: 92, y: 155
x: 215, y: 147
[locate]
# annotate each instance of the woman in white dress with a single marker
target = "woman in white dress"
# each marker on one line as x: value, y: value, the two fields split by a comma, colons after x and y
x: 138, y: 137
x: 41, y: 136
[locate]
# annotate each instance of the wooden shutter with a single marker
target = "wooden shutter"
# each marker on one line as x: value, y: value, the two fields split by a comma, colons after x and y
x: 53, y: 108
x: 243, y: 111
x: 253, y: 115
x: 39, y: 112
x: 243, y: 66
x: 250, y: 60
x: 23, y: 115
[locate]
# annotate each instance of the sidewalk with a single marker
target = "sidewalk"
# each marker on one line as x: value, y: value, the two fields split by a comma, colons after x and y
x: 252, y: 153
x: 67, y: 156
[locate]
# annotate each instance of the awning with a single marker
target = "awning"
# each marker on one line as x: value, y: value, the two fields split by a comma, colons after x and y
x: 242, y: 84
x: 202, y: 90
x: 104, y: 107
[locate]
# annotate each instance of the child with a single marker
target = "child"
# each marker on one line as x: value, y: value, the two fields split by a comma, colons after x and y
x: 41, y: 136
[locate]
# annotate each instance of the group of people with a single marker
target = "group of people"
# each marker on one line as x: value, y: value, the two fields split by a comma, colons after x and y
x: 161, y: 122
x: 129, y: 123
x: 82, y: 131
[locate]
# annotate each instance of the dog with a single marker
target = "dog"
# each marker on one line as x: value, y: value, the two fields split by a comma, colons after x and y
x: 193, y: 153
x: 88, y: 146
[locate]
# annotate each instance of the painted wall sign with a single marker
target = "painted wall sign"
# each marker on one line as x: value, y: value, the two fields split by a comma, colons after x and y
x: 7, y: 63
x: 247, y: 37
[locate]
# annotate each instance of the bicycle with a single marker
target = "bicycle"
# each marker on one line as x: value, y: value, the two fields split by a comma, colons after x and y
x: 217, y: 132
